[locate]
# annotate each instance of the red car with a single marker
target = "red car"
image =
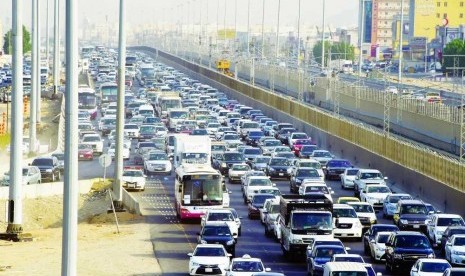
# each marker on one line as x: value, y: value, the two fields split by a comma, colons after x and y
x: 85, y: 152
x: 186, y: 129
x: 298, y: 144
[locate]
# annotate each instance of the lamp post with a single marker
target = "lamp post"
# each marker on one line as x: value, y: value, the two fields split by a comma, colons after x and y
x: 401, y: 36
x: 323, y: 37
x: 263, y: 29
x: 277, y: 30
x: 248, y: 28
x: 298, y: 37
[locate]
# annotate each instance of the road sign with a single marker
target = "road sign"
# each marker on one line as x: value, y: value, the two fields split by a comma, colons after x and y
x: 104, y: 160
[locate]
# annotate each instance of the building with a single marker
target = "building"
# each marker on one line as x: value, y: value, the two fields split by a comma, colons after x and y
x: 384, y: 13
x: 427, y: 15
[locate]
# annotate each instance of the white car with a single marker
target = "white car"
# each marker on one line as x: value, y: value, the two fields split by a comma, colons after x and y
x: 221, y: 216
x: 348, y: 177
x: 246, y: 266
x: 271, y: 211
x: 236, y: 171
x: 378, y: 245
x: 296, y: 136
x: 322, y: 156
x: 31, y: 175
x: 210, y: 258
x: 308, y: 163
x: 365, y: 213
x: 346, y: 223
x: 267, y: 206
x: 133, y: 179
x: 375, y: 194
x: 112, y: 151
x: 254, y: 184
x: 455, y: 249
x: 439, y: 223
x: 131, y: 131
x: 157, y: 162
x: 95, y: 141
x: 429, y: 267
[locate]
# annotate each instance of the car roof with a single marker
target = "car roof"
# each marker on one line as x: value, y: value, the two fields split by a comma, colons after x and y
x: 219, y: 211
x: 459, y: 235
x: 428, y: 260
x: 358, y: 203
x: 447, y: 215
x: 210, y: 245
x: 401, y: 233
x: 410, y: 201
x: 369, y: 170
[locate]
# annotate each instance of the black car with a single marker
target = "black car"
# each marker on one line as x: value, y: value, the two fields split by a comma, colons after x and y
x: 218, y: 234
x: 284, y: 134
x: 253, y: 137
x: 256, y: 204
x: 336, y: 167
x: 451, y: 230
x: 373, y: 230
x: 278, y: 167
x: 49, y: 168
x: 307, y: 150
x: 224, y: 161
x: 300, y: 175
x: 411, y: 214
x: 404, y: 248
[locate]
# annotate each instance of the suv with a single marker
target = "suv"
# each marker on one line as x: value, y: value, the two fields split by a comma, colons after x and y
x: 411, y: 214
x: 366, y: 177
x: 49, y: 168
x: 218, y: 234
x: 404, y: 248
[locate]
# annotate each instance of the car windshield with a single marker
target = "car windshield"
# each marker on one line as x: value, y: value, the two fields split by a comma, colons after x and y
x: 307, y: 173
x: 326, y: 252
x: 231, y: 137
x: 131, y: 127
x: 344, y: 213
x: 314, y: 165
x: 412, y: 241
x: 91, y: 139
x: 302, y: 142
x: 308, y: 149
x: 158, y: 156
x: 316, y: 189
x: 434, y: 267
x: 382, y: 238
x: 354, y: 259
x: 321, y: 154
x: 274, y: 192
x: 459, y: 241
x: 373, y: 175
x: 133, y: 173
x: 262, y: 160
x: 279, y: 162
x: 272, y: 143
x: 304, y: 221
x: 84, y: 146
x: 299, y: 136
x: 247, y: 266
x: 260, y: 199
x: 218, y: 148
x: 362, y: 208
x: 450, y: 222
x: 25, y: 171
x: 146, y: 145
x: 260, y: 182
x: 253, y: 151
x: 255, y: 133
x: 241, y: 168
x: 209, y: 252
x: 396, y: 198
x: 339, y: 163
x: 378, y: 190
x: 59, y: 156
x: 233, y: 157
x: 282, y: 149
x: 418, y: 209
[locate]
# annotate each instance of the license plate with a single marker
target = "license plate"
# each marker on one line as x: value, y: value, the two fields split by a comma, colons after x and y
x: 208, y: 269
x: 281, y: 174
x: 132, y: 185
x: 80, y: 155
x: 416, y: 226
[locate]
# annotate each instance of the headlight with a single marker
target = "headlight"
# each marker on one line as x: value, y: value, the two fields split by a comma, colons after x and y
x: 49, y: 170
x: 195, y: 264
x: 224, y: 165
x: 271, y: 170
x: 397, y: 256
x: 203, y: 241
x: 297, y: 241
x: 372, y: 221
x: 231, y: 242
x: 404, y: 221
x: 431, y: 256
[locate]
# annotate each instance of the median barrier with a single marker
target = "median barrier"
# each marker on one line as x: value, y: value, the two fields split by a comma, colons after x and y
x: 131, y: 203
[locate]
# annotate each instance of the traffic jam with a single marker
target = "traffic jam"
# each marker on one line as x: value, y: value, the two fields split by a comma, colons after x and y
x: 231, y: 163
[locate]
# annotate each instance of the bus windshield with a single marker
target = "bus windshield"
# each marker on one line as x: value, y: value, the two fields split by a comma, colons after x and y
x: 109, y: 93
x: 202, y: 192
x: 87, y: 100
x: 170, y: 103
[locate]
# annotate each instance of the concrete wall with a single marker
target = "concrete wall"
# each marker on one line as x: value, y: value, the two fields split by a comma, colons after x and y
x: 401, y: 178
x: 46, y: 189
x: 131, y: 203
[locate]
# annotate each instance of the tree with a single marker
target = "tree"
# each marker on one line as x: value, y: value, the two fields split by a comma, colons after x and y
x: 339, y: 50
x: 455, y: 47
x: 8, y: 43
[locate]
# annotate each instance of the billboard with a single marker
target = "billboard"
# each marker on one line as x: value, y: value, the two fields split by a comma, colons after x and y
x: 226, y: 34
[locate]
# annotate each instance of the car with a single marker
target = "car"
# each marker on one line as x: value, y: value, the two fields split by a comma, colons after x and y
x: 451, y: 230
x: 298, y: 144
x: 225, y: 161
x: 347, y: 257
x: 308, y: 163
x: 375, y: 194
x: 251, y: 153
x: 293, y: 137
x: 346, y: 223
x: 278, y: 167
x: 323, y: 240
x: 157, y: 161
x: 322, y: 156
x: 270, y: 212
x: 348, y: 177
x: 133, y: 179
x: 61, y: 160
x: 454, y: 271
x: 347, y: 199
x: 269, y: 145
x: 370, y: 234
x: 429, y: 267
x: 30, y: 175
x: 199, y: 132
x: 112, y: 151
x: 320, y: 255
x: 438, y: 223
x: 236, y: 171
x: 300, y: 175
x: 248, y: 174
x: 390, y: 203
x: 256, y: 203
x: 454, y: 249
x: 365, y: 213
x: 411, y: 214
x: 253, y: 137
x: 131, y: 130
x: 49, y: 168
x: 335, y: 167
x: 222, y: 216
x: 270, y: 190
x: 309, y: 186
x: 209, y: 259
x: 254, y: 184
x: 307, y: 150
x: 377, y: 245
x: 215, y: 232
x: 259, y: 163
x: 247, y: 266
x: 404, y: 248
x: 367, y: 176
x: 85, y: 152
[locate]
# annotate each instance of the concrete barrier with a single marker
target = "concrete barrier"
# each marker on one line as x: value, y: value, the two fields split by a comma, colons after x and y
x: 131, y: 203
x: 46, y: 189
x: 440, y: 194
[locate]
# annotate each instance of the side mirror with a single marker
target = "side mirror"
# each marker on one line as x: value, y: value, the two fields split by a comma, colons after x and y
x: 448, y: 243
x: 274, y: 185
x: 385, y: 178
x: 414, y: 269
x: 267, y: 269
x: 190, y: 254
x: 229, y: 192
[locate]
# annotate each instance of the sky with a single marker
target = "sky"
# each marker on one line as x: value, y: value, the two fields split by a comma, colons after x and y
x: 338, y: 12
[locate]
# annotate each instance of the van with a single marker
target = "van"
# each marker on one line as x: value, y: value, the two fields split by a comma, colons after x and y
x: 146, y: 110
x: 344, y: 269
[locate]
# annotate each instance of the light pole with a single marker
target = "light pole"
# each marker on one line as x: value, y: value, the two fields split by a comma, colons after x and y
x: 263, y: 29
x: 360, y: 39
x: 35, y: 85
x: 401, y: 36
x: 323, y: 37
x: 248, y: 28
x: 56, y: 46
x: 277, y: 30
x: 298, y: 38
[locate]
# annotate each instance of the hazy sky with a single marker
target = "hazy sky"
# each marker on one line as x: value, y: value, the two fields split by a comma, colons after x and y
x: 338, y: 12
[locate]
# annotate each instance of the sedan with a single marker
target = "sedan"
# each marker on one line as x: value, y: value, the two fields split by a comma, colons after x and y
x: 348, y: 177
x: 390, y: 203
x: 278, y: 167
x: 85, y: 152
x: 31, y: 175
x: 429, y: 267
x: 257, y: 202
x: 208, y: 259
x: 455, y: 249
x: 335, y: 167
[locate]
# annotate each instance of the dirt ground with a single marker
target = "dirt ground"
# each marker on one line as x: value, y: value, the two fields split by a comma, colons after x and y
x: 101, y: 250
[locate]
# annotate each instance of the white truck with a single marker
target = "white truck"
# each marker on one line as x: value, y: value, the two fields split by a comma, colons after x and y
x: 192, y: 149
x: 176, y: 116
x: 302, y: 218
x: 342, y: 65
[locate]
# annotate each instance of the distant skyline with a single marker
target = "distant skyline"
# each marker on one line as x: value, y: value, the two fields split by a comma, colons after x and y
x: 339, y: 13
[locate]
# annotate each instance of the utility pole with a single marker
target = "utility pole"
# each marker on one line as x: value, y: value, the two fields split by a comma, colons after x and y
x: 263, y: 29
x: 70, y: 181
x: 35, y: 84
x: 117, y: 185
x: 298, y: 38
x: 277, y: 30
x: 360, y: 39
x: 56, y: 47
x: 248, y: 28
x: 39, y: 84
x: 15, y: 202
x: 323, y: 37
x: 47, y: 42
x: 401, y: 36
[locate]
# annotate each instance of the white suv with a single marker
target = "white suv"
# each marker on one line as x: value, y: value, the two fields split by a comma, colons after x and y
x: 95, y: 141
x: 438, y: 224
x: 221, y: 216
x: 346, y: 223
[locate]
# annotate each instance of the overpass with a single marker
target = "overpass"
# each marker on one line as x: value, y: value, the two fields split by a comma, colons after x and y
x: 412, y: 167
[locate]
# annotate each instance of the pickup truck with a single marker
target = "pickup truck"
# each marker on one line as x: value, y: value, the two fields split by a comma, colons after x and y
x: 302, y: 218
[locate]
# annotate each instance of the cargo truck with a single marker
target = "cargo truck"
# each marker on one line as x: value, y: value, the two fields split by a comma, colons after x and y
x: 189, y: 149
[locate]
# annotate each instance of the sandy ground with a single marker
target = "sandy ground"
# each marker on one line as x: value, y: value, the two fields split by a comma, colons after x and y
x: 101, y: 250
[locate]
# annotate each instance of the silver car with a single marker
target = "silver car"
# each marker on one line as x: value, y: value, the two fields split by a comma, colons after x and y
x: 31, y: 175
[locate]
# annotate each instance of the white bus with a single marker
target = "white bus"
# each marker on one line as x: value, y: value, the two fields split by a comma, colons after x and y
x: 198, y: 187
